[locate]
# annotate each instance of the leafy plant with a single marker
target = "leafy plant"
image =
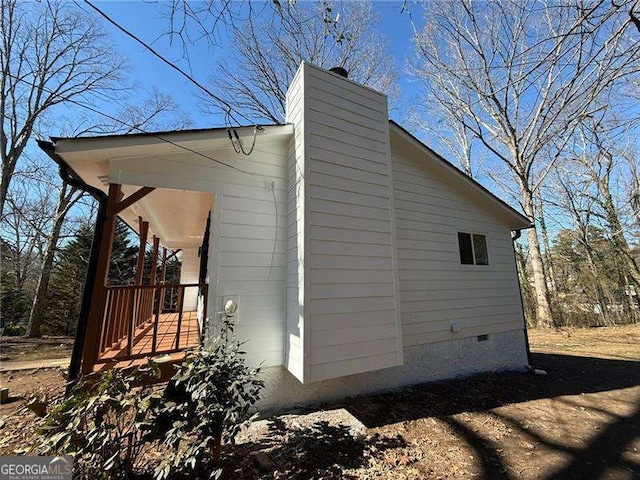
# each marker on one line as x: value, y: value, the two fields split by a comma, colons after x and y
x: 107, y: 425
x: 209, y: 398
x: 103, y: 426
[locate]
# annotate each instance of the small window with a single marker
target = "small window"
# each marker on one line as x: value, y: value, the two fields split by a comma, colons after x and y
x: 473, y: 249
x: 466, y: 250
x: 480, y: 249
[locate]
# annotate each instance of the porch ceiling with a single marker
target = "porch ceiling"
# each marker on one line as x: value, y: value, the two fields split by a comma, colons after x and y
x: 177, y: 217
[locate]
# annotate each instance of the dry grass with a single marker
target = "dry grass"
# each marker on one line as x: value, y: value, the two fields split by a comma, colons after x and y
x: 619, y: 343
x: 14, y: 350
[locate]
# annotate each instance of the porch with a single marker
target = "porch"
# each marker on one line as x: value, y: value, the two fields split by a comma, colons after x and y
x: 160, y: 323
x: 165, y: 186
x: 150, y: 316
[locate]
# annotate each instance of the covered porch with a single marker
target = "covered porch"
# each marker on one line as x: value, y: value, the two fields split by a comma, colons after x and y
x: 167, y: 330
x: 177, y: 190
x: 149, y: 316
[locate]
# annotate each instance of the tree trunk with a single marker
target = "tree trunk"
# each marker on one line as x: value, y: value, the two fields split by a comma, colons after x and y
x: 4, y: 188
x: 600, y: 296
x: 617, y: 235
x: 35, y: 317
x: 525, y: 286
x: 544, y: 316
x: 547, y: 248
x: 630, y: 269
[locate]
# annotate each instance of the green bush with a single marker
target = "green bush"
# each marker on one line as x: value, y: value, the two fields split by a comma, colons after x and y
x: 103, y: 426
x: 209, y: 397
x: 106, y: 426
x: 14, y: 330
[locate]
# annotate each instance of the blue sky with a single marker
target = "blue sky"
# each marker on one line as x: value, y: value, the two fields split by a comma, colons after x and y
x: 144, y: 19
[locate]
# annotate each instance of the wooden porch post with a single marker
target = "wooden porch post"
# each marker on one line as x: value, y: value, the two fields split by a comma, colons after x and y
x: 154, y: 297
x: 144, y: 230
x: 94, y: 320
x: 154, y: 260
x: 163, y: 276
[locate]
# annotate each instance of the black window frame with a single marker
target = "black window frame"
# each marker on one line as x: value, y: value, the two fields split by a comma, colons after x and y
x: 468, y: 243
x: 465, y: 248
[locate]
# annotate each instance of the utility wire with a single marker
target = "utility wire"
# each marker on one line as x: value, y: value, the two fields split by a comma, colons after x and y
x: 159, y: 137
x: 240, y: 147
x: 164, y: 60
x: 134, y: 127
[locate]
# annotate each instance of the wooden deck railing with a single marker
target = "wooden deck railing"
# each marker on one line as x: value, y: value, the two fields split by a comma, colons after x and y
x: 133, y: 313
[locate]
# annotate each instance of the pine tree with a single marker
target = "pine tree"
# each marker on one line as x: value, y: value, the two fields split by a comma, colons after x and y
x: 123, y: 257
x: 173, y: 272
x: 70, y: 272
x: 67, y: 284
x: 14, y: 303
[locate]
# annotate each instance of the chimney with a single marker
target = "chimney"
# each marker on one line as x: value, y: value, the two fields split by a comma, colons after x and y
x: 340, y: 229
x: 340, y: 71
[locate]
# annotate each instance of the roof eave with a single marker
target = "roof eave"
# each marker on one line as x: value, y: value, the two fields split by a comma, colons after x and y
x: 170, y: 132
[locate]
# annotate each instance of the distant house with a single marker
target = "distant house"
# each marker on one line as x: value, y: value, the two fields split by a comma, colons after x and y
x: 359, y: 259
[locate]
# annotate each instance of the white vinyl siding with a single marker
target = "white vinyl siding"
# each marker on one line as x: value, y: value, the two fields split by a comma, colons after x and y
x: 246, y: 260
x: 250, y: 270
x: 190, y: 273
x: 346, y: 280
x: 295, y: 247
x: 436, y: 290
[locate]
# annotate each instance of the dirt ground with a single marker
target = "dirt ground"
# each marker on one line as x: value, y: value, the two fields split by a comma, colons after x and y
x: 580, y: 421
x: 617, y: 343
x: 15, y: 350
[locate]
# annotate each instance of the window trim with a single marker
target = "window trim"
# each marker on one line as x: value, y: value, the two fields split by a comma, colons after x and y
x: 473, y: 249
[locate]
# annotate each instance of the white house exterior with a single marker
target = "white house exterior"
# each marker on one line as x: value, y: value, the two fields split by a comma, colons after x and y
x: 339, y: 236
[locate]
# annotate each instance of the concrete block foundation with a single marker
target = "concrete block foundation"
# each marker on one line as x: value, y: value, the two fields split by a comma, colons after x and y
x: 499, y: 352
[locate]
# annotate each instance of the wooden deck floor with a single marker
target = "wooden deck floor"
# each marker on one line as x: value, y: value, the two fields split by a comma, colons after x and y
x: 165, y: 343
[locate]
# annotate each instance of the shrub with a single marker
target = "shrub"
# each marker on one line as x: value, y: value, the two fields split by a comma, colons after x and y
x: 106, y: 426
x: 103, y: 426
x: 209, y: 397
x: 17, y: 329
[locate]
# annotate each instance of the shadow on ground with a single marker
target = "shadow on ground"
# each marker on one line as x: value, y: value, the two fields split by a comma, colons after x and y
x: 567, y: 375
x: 321, y: 450
x: 325, y: 451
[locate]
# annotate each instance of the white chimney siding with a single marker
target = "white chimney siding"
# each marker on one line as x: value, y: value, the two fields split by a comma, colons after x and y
x: 343, y: 314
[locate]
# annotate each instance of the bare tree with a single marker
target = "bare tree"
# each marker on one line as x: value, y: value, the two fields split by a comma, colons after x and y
x: 189, y: 22
x: 24, y: 227
x: 634, y: 186
x: 268, y: 49
x: 53, y: 54
x: 156, y: 111
x: 68, y: 196
x: 49, y: 53
x: 150, y: 113
x: 602, y: 157
x: 572, y: 197
x: 521, y: 76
